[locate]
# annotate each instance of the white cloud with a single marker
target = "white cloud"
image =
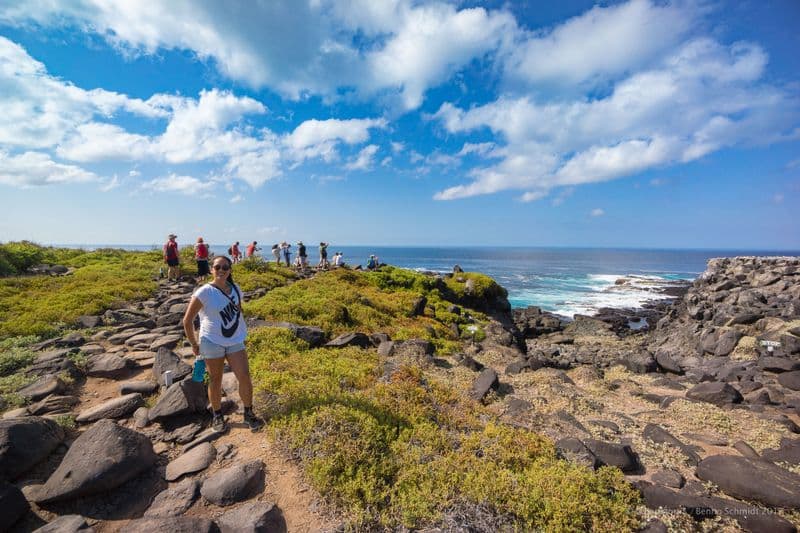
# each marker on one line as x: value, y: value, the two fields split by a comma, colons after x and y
x: 532, y: 196
x: 35, y: 169
x: 703, y: 97
x: 599, y: 44
x: 111, y: 184
x: 236, y: 199
x: 365, y: 158
x: 658, y: 182
x: 186, y: 185
x: 597, y: 212
x: 481, y: 149
x: 319, y: 138
x: 134, y: 173
x: 562, y: 196
x: 398, y: 147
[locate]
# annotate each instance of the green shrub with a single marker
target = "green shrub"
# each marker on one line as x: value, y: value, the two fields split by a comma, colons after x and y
x: 15, y: 354
x: 17, y: 257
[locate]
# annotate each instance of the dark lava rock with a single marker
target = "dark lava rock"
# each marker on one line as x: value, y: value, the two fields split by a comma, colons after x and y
x: 71, y: 523
x: 640, y: 363
x: 175, y: 500
x: 24, y: 442
x: 470, y: 362
x: 257, y: 517
x: 667, y: 363
x: 102, y: 458
x: 752, y: 479
x: 181, y: 398
x: 44, y: 386
x: 13, y: 504
x: 108, y: 365
x: 669, y: 478
x: 167, y: 360
x: 744, y: 318
x: 790, y: 380
x: 575, y: 450
x: 142, y: 387
x: 194, y: 460
x: 745, y: 449
x: 715, y: 392
x: 778, y: 364
x: 620, y: 455
x: 170, y: 524
x: 234, y: 484
x: 114, y: 408
x: 89, y: 321
x: 486, y: 380
x: 166, y: 341
x: 386, y: 348
x: 657, y: 434
x: 350, y: 339
x: 53, y: 404
x: 727, y: 342
x: 517, y: 367
x: 517, y: 406
x: 788, y: 452
x: 418, y: 306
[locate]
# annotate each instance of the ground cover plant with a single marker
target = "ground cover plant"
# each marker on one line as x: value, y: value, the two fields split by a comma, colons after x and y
x: 408, y: 450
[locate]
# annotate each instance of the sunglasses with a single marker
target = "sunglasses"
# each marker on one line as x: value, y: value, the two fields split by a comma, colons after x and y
x: 224, y: 268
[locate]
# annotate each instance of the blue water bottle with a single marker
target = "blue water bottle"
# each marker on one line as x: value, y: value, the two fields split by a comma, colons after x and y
x: 199, y: 371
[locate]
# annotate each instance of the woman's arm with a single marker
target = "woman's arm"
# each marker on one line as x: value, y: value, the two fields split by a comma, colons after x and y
x: 188, y: 323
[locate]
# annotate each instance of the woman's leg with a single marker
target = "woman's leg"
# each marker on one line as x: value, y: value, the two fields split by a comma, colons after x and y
x: 238, y: 363
x: 215, y: 368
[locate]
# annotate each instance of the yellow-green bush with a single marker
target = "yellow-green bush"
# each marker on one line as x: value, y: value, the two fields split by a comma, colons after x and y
x: 17, y: 257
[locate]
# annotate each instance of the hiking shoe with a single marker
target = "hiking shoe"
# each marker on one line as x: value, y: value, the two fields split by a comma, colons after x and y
x: 253, y: 422
x: 219, y: 424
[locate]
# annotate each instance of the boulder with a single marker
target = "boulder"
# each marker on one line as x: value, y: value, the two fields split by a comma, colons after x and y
x: 640, y: 363
x: 386, y: 348
x: 194, y: 460
x: 115, y: 408
x: 778, y: 364
x: 788, y: 452
x: 752, y: 479
x: 230, y: 485
x: 727, y: 342
x: 102, y: 458
x: 350, y: 339
x: 53, y: 404
x: 669, y: 478
x: 667, y: 363
x: 657, y: 434
x: 143, y: 387
x: 418, y: 306
x: 745, y: 449
x: 166, y: 341
x: 13, y: 504
x: 44, y: 386
x: 175, y: 500
x: 107, y: 365
x: 790, y: 380
x: 485, y: 381
x: 417, y: 350
x: 89, y: 321
x: 518, y: 366
x: 575, y: 450
x: 620, y: 455
x: 256, y: 517
x: 181, y: 398
x: 169, y: 319
x: 70, y: 523
x: 168, y: 360
x: 715, y: 392
x: 142, y: 339
x: 170, y: 524
x: 24, y: 442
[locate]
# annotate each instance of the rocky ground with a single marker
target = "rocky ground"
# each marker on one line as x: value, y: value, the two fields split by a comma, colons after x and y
x: 699, y: 411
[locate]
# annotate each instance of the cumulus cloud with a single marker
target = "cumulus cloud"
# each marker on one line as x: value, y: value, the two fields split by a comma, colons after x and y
x: 236, y: 199
x: 186, y: 185
x: 32, y: 169
x: 365, y: 158
x: 320, y: 138
x: 597, y: 212
x: 703, y: 97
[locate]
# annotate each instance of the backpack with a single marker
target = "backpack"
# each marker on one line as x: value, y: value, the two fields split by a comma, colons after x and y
x: 230, y: 251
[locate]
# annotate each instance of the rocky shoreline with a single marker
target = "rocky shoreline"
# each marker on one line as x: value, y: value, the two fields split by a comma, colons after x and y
x: 699, y: 410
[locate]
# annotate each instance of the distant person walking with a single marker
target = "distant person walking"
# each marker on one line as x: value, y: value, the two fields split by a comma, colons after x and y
x: 287, y: 254
x: 235, y: 252
x: 252, y: 248
x: 323, y: 255
x: 201, y: 256
x: 172, y: 258
x: 276, y: 253
x: 301, y: 254
x: 221, y: 337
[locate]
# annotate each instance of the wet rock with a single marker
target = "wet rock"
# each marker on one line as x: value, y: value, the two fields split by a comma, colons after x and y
x: 716, y: 392
x: 102, y: 458
x: 194, y: 460
x: 752, y: 479
x: 24, y: 442
x: 253, y: 516
x: 486, y: 381
x: 234, y: 484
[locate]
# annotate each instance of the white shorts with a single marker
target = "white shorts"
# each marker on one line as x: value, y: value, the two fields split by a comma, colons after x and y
x: 210, y: 350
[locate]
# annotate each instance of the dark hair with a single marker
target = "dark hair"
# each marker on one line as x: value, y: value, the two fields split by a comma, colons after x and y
x: 230, y: 266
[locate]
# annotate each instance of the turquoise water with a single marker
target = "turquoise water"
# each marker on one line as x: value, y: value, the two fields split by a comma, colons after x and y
x: 561, y: 280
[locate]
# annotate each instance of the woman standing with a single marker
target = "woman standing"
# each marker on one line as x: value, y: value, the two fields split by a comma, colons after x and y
x: 222, y: 335
x: 201, y: 256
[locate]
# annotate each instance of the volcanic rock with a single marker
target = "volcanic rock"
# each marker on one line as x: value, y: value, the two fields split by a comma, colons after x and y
x: 24, y: 442
x: 233, y: 484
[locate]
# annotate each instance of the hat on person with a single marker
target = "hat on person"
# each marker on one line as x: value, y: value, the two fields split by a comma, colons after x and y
x: 172, y: 236
x: 299, y: 243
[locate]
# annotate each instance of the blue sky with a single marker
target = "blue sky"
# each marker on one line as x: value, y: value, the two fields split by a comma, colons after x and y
x: 634, y: 124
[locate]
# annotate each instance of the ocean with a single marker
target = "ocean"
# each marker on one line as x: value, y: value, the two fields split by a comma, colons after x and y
x: 565, y: 281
